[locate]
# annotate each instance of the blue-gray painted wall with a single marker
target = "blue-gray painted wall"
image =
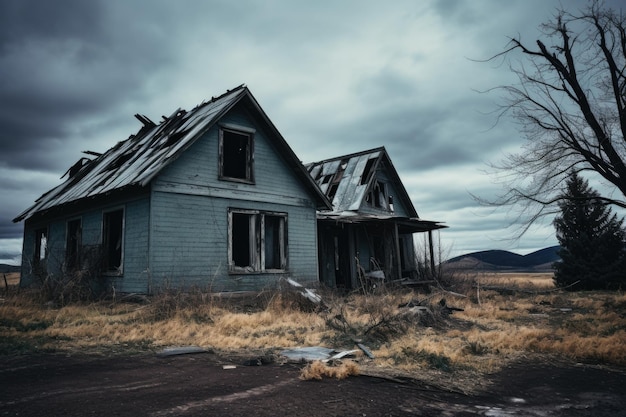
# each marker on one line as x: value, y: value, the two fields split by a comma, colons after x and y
x: 176, y: 233
x: 189, y: 216
x: 135, y: 244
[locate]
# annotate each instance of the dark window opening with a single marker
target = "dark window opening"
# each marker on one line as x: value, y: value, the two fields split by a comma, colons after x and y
x: 367, y: 170
x: 378, y: 196
x: 73, y: 243
x: 274, y: 233
x: 236, y: 155
x: 241, y: 240
x: 112, y: 242
x: 257, y: 241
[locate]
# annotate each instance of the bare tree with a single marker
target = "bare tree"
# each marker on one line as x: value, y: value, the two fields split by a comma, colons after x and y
x: 570, y: 102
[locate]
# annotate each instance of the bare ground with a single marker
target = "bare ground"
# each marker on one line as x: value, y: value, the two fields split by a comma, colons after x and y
x: 198, y: 385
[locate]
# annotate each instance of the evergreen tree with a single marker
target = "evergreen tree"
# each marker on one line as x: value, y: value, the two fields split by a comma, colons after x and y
x: 592, y: 240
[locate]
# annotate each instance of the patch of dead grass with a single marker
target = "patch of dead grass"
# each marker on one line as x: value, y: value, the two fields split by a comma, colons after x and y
x: 319, y: 370
x: 586, y: 326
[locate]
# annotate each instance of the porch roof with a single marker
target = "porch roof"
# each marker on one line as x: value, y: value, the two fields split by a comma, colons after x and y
x: 405, y: 224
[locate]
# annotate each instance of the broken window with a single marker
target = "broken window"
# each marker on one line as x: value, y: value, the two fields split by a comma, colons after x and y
x: 41, y: 246
x: 236, y: 155
x: 112, y: 241
x: 378, y: 196
x: 367, y: 171
x: 257, y: 241
x: 73, y: 243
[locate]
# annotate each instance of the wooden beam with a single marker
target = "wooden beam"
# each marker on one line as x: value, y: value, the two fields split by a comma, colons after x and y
x: 396, y: 238
x: 432, y: 252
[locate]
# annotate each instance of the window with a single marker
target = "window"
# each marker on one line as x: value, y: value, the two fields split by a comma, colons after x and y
x: 112, y: 241
x: 236, y: 155
x: 257, y: 241
x: 41, y: 246
x: 73, y: 243
x: 378, y: 196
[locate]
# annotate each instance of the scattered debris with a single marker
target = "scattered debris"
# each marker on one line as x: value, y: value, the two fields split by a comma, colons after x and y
x: 308, y: 353
x: 448, y: 309
x: 307, y: 293
x: 365, y: 350
x: 316, y: 353
x: 181, y: 350
x: 229, y: 367
x: 259, y: 361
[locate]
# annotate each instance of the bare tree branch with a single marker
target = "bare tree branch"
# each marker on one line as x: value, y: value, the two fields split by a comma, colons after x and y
x: 570, y: 101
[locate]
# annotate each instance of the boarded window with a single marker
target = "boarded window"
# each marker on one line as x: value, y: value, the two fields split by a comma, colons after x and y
x: 73, y: 243
x: 257, y: 241
x: 41, y: 246
x: 236, y: 155
x: 112, y: 241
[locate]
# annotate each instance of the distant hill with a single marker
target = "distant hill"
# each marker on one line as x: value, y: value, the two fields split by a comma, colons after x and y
x: 5, y: 269
x: 502, y: 260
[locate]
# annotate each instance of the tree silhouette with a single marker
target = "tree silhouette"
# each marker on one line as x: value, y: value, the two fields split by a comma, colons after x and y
x: 592, y: 240
x: 570, y: 102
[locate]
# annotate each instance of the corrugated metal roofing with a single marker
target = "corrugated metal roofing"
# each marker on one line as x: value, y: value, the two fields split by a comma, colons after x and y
x: 137, y: 160
x: 345, y: 180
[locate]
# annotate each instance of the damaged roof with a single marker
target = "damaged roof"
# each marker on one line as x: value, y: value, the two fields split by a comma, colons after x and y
x: 346, y: 181
x: 138, y: 159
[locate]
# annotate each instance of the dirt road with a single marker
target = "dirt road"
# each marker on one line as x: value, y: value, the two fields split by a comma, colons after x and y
x: 198, y: 385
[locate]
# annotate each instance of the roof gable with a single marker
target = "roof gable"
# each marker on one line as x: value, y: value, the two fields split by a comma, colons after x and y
x: 347, y: 179
x: 138, y: 159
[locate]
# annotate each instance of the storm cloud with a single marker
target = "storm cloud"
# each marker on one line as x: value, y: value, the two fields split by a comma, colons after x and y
x: 334, y: 77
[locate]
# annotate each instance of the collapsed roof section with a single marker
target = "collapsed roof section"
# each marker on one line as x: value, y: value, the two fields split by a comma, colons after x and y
x: 348, y: 180
x: 138, y: 159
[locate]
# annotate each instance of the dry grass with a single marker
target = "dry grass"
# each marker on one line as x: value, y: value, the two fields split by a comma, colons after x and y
x: 493, y: 328
x: 9, y: 279
x: 319, y: 370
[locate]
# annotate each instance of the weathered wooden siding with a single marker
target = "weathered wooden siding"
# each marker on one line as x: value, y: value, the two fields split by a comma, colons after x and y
x: 189, y: 243
x: 135, y: 246
x: 196, y: 171
x: 136, y: 250
x: 189, y: 216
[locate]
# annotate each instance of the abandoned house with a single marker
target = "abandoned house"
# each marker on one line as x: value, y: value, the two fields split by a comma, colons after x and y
x: 214, y: 198
x: 368, y: 233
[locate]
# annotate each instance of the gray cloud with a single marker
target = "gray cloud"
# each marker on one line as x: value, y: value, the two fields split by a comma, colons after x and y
x: 334, y: 77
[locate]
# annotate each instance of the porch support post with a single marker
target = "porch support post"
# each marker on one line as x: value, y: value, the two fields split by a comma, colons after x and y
x: 432, y: 252
x: 396, y: 240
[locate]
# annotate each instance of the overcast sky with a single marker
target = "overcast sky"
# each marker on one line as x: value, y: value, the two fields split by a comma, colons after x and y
x: 335, y: 77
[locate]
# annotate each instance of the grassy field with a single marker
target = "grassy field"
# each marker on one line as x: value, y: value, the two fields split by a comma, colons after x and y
x: 503, y: 317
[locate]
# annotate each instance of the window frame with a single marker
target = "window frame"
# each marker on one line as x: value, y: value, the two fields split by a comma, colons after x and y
x: 226, y: 129
x: 41, y: 245
x: 378, y: 196
x: 257, y: 243
x: 104, y: 241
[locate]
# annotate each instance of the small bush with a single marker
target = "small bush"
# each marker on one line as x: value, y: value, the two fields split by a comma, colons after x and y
x: 319, y: 370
